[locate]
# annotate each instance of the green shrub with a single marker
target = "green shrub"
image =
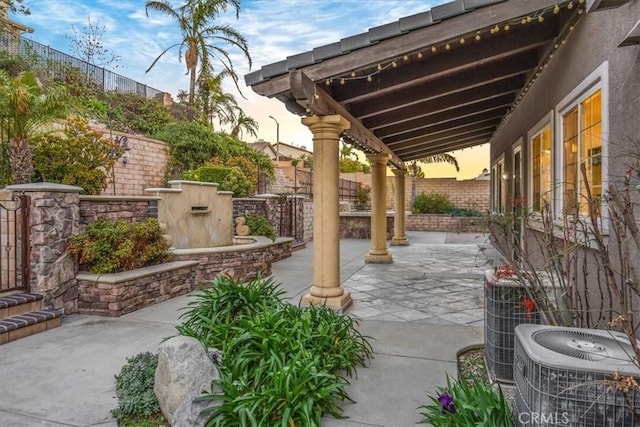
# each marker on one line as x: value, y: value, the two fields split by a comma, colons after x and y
x: 134, y: 387
x: 237, y: 182
x: 463, y: 403
x: 282, y: 365
x: 432, y: 203
x: 133, y: 112
x: 207, y: 174
x: 362, y: 197
x: 112, y: 246
x: 260, y: 226
x: 454, y: 211
x: 79, y: 156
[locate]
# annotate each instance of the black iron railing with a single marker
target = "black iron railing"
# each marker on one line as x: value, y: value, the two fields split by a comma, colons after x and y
x: 58, y: 64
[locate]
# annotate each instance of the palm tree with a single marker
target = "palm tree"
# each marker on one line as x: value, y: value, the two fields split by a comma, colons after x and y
x: 244, y: 123
x: 25, y: 111
x: 203, y: 41
x: 214, y: 101
x: 415, y: 170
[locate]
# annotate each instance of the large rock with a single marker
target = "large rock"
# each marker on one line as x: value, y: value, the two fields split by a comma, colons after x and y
x: 189, y: 413
x: 184, y: 371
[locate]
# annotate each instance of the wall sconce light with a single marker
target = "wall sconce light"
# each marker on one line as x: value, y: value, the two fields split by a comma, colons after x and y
x: 123, y: 142
x: 505, y: 177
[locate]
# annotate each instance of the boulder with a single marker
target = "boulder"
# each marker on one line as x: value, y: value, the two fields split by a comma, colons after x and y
x: 184, y: 371
x: 189, y: 413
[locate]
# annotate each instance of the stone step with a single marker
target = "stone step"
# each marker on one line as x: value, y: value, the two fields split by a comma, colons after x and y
x: 16, y: 304
x: 23, y: 325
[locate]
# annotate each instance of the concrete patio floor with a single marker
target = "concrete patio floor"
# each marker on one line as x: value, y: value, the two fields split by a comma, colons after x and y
x: 419, y: 311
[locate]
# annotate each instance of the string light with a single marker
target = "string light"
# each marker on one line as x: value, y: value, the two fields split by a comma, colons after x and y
x: 447, y: 46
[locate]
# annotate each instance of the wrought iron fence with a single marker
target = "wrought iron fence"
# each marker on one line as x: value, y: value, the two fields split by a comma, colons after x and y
x: 14, y: 242
x: 57, y: 64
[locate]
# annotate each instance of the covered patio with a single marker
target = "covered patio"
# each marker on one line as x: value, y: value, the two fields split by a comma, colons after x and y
x: 430, y: 83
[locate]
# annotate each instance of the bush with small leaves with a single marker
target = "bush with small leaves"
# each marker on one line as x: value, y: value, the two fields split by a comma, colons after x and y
x: 432, y: 203
x: 260, y: 226
x: 112, y: 246
x: 78, y: 156
x: 134, y: 388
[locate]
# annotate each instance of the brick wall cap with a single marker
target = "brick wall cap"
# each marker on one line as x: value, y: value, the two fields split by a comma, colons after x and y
x: 127, y: 276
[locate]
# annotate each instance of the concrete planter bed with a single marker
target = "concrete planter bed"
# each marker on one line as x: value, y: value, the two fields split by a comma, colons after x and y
x: 121, y: 293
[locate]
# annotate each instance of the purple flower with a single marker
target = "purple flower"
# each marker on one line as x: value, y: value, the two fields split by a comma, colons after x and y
x: 447, y: 403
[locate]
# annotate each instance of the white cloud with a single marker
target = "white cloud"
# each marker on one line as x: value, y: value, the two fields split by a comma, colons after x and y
x: 275, y: 29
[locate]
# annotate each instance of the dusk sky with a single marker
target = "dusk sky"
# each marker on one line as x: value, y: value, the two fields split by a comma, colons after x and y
x: 274, y: 29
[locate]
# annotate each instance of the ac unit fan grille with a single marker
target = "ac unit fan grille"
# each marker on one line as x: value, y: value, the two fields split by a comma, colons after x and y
x: 584, y: 345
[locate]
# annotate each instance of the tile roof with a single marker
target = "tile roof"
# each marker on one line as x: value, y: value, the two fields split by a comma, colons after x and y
x: 409, y: 23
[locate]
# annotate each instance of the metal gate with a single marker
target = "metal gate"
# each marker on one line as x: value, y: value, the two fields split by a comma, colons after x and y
x: 14, y: 242
x: 290, y: 222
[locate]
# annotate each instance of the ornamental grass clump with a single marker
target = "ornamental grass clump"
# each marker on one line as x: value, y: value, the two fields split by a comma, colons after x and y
x: 466, y: 404
x: 282, y: 364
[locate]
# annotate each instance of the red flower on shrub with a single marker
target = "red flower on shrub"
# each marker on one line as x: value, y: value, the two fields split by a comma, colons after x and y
x: 529, y: 306
x: 505, y: 270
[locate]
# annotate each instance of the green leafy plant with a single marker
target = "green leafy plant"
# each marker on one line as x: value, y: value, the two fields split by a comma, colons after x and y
x: 260, y: 226
x: 77, y: 156
x: 362, y: 197
x: 431, y: 203
x: 467, y: 404
x: 112, y: 246
x: 465, y: 212
x: 283, y: 365
x: 207, y: 174
x: 134, y: 388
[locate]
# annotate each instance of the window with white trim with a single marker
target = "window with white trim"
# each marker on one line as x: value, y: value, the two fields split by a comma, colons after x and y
x: 582, y: 146
x: 499, y: 186
x: 540, y: 149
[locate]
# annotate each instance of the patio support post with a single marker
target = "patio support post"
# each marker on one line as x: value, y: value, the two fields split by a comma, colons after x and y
x: 399, y: 232
x: 378, y: 252
x: 326, y: 288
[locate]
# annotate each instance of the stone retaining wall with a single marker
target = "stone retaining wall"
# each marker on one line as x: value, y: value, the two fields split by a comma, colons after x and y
x: 130, y: 208
x: 357, y: 225
x: 121, y: 293
x: 245, y: 260
x: 448, y: 223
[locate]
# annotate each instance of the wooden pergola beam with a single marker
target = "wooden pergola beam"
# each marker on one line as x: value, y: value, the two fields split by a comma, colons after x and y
x: 315, y: 100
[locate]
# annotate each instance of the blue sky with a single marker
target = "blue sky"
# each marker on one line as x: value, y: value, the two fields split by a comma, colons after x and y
x: 274, y: 29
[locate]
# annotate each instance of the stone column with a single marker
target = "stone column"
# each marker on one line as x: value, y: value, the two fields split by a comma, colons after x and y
x: 326, y: 288
x: 399, y: 232
x: 378, y: 252
x: 54, y: 217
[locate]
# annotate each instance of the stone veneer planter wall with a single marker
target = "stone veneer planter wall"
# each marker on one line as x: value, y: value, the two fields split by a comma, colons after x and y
x: 443, y: 222
x: 121, y: 293
x: 130, y: 208
x: 357, y: 225
x: 250, y: 256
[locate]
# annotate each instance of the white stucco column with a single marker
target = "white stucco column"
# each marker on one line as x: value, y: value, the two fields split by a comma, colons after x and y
x: 378, y: 252
x: 399, y: 231
x: 326, y: 288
